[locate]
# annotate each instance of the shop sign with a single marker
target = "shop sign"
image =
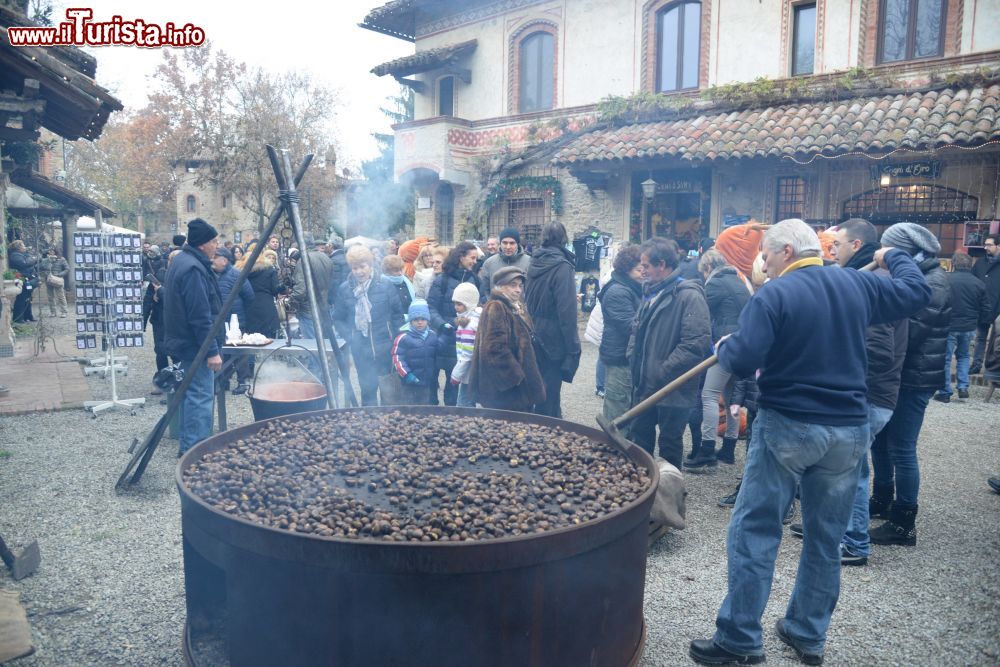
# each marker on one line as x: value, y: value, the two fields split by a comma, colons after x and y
x: 678, y: 185
x: 921, y: 169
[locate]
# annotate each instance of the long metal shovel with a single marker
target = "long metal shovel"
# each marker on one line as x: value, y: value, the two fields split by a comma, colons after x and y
x: 611, y: 426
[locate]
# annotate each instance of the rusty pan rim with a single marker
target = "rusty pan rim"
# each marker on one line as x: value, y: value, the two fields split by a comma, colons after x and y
x: 302, y: 541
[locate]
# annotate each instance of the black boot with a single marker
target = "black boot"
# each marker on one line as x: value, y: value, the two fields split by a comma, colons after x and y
x: 705, y: 461
x: 695, y: 448
x: 879, y: 504
x: 727, y: 453
x: 899, y: 529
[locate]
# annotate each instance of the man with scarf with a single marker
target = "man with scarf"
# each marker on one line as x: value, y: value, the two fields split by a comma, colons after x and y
x: 673, y: 332
x: 854, y: 247
x: 811, y: 430
x: 191, y: 302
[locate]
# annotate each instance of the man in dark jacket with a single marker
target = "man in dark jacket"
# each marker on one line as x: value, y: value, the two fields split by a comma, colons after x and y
x: 672, y: 333
x: 811, y: 431
x: 620, y: 300
x: 987, y: 269
x: 340, y: 270
x: 510, y: 255
x: 550, y: 295
x: 970, y: 309
x: 895, y: 464
x: 321, y: 267
x: 191, y: 302
x: 885, y: 347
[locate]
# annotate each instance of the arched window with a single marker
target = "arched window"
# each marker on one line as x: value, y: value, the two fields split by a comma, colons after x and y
x: 536, y: 72
x: 190, y: 204
x: 678, y: 46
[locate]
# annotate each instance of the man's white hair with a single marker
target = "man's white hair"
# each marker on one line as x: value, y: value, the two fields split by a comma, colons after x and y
x: 795, y: 233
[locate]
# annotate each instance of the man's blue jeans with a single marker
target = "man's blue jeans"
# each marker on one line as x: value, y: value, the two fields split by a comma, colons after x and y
x: 894, y: 456
x: 856, y: 538
x: 958, y: 345
x: 197, y: 406
x: 824, y: 461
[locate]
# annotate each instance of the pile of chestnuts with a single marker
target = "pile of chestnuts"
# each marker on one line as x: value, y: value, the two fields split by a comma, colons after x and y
x: 417, y: 478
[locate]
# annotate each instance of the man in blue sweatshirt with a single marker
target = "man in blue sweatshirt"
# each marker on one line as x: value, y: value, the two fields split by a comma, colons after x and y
x: 811, y: 429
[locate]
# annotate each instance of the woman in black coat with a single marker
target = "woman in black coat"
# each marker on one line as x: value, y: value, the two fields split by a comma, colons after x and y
x: 726, y: 295
x: 620, y: 300
x: 551, y: 300
x: 457, y: 269
x: 367, y: 314
x: 262, y: 314
x: 25, y: 264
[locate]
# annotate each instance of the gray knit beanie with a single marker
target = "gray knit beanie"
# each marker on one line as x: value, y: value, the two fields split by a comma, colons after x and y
x: 912, y: 238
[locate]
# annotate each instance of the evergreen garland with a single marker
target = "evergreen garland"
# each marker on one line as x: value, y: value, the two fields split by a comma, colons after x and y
x: 550, y: 185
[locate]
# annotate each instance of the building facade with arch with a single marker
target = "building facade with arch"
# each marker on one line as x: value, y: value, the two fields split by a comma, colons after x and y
x: 680, y: 117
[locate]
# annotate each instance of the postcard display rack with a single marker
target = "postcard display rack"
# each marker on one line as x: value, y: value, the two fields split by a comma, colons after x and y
x: 108, y: 278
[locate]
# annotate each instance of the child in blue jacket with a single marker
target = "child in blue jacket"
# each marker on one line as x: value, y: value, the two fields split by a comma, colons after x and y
x: 413, y: 356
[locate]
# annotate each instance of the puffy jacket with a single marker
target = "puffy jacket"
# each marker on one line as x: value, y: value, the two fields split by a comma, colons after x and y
x: 413, y: 353
x: 672, y: 334
x: 970, y: 306
x: 23, y: 263
x: 191, y: 302
x: 439, y: 300
x: 54, y: 266
x: 227, y: 280
x: 550, y: 295
x: 465, y: 345
x: 726, y: 295
x: 620, y: 300
x: 928, y: 334
x: 989, y: 273
x: 386, y: 314
x: 496, y: 262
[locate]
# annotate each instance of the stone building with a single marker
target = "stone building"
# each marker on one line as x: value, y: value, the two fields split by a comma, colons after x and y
x: 198, y: 196
x: 678, y: 117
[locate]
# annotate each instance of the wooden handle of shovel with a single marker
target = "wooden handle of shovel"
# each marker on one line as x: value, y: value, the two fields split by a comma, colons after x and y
x: 669, y: 387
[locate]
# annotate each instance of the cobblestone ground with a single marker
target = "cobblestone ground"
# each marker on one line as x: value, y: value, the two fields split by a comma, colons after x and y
x: 110, y: 591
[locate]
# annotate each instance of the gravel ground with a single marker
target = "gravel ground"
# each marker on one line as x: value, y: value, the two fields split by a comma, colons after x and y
x: 110, y: 589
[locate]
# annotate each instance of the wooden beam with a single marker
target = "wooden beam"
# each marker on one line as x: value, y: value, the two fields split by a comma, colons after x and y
x: 460, y: 72
x: 416, y: 86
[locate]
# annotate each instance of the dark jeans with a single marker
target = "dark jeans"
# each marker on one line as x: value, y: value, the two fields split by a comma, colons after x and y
x: 21, y: 310
x: 671, y: 438
x: 450, y: 390
x: 979, y: 353
x: 364, y: 363
x: 551, y: 370
x: 894, y: 452
x: 162, y: 360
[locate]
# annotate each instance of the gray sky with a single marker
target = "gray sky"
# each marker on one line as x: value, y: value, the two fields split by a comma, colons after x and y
x: 322, y: 40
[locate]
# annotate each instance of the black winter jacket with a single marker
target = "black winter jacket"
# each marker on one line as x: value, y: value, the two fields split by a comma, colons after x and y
x: 989, y: 273
x: 262, y: 315
x: 386, y: 313
x: 620, y: 300
x: 550, y: 295
x: 970, y: 307
x: 339, y: 273
x: 673, y: 333
x: 439, y: 300
x: 23, y: 263
x: 885, y: 344
x: 928, y: 334
x: 726, y: 295
x: 191, y: 302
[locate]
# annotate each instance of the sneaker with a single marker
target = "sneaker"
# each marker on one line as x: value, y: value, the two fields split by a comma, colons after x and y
x: 848, y: 557
x: 806, y: 657
x: 796, y: 530
x: 941, y: 397
x: 963, y: 393
x: 707, y: 652
x: 599, y: 393
x: 790, y: 514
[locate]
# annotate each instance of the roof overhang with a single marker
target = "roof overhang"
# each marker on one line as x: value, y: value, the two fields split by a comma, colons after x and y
x: 396, y: 19
x: 426, y: 61
x: 68, y: 199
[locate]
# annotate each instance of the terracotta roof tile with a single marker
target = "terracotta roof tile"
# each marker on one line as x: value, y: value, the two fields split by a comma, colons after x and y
x: 424, y: 61
x: 912, y: 120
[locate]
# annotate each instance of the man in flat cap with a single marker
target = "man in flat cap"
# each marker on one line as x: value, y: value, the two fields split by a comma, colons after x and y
x: 191, y: 302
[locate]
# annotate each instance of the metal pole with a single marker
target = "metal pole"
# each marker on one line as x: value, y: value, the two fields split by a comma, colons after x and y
x: 142, y: 456
x: 282, y: 171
